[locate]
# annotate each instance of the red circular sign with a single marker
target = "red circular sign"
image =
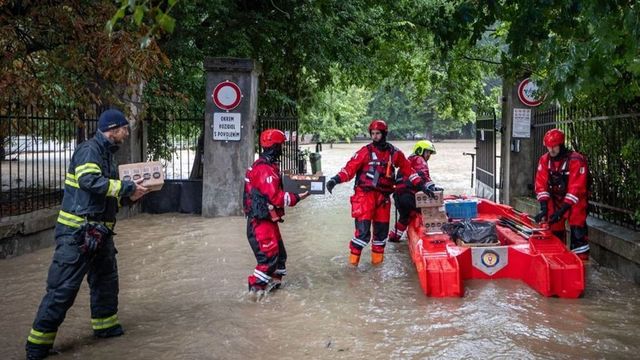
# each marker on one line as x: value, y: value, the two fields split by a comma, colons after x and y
x: 527, y: 91
x: 226, y: 95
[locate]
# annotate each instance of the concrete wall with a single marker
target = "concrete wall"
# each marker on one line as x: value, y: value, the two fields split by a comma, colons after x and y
x: 611, y: 246
x: 225, y: 162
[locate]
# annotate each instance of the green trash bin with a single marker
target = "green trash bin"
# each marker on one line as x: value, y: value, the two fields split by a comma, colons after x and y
x: 316, y: 164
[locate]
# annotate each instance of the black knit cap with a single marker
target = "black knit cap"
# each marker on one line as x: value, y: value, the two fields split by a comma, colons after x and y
x: 111, y: 119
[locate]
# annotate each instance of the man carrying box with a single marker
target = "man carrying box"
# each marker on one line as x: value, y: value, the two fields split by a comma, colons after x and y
x: 264, y: 202
x: 373, y: 166
x: 84, y: 237
x: 405, y: 193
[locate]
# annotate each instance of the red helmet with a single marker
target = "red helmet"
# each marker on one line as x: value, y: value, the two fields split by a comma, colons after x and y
x: 270, y: 137
x: 553, y: 137
x: 379, y: 125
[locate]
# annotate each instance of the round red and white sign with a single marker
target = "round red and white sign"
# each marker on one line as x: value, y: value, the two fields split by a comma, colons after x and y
x: 527, y: 93
x: 226, y: 95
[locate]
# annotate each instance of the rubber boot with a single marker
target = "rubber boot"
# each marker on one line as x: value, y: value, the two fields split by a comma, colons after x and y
x: 377, y: 258
x: 393, y: 237
x: 37, y: 352
x: 276, y: 282
x: 584, y: 256
x: 110, y: 332
x: 354, y: 259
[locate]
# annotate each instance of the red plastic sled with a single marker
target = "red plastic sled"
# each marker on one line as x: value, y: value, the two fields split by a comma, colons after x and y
x: 541, y: 260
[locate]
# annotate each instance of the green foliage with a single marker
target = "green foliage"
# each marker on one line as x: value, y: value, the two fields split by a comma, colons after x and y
x: 58, y: 54
x: 579, y: 52
x: 337, y: 113
x: 156, y: 14
x: 314, y: 53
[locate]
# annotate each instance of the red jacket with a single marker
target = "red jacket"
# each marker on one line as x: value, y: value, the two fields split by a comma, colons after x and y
x: 420, y: 166
x: 264, y: 177
x: 375, y: 171
x: 564, y: 178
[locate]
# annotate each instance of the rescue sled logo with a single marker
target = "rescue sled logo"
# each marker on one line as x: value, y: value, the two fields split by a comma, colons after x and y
x: 489, y: 260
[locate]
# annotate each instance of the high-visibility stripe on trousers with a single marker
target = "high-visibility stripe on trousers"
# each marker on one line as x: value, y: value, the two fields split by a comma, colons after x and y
x: 271, y: 257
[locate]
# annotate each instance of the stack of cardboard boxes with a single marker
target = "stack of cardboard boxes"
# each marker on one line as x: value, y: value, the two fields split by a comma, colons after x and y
x: 432, y: 209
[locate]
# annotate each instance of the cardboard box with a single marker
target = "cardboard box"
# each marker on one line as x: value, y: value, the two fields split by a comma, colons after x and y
x: 433, y: 218
x: 152, y: 173
x: 422, y: 200
x: 300, y: 183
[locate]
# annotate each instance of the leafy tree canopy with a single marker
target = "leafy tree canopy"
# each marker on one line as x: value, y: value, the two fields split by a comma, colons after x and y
x: 58, y: 53
x: 585, y: 52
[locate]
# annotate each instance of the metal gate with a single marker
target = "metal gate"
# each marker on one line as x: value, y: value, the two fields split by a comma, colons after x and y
x: 486, y: 143
x: 290, y: 152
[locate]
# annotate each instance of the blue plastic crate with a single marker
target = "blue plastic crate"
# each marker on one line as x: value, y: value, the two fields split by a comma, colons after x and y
x: 461, y: 209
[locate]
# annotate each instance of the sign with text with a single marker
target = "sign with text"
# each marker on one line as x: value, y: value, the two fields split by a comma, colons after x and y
x: 521, y: 123
x: 226, y: 126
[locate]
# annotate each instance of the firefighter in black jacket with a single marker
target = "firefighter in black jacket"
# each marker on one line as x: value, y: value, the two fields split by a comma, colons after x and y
x: 83, y: 235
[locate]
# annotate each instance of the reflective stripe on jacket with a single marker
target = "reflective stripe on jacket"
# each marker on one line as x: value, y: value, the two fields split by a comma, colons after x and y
x: 92, y: 190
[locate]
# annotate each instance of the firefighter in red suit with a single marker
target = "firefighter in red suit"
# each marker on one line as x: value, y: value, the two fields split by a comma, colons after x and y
x: 264, y: 202
x: 561, y: 189
x: 373, y: 166
x: 405, y: 193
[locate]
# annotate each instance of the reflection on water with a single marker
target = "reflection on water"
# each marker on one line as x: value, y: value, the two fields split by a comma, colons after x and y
x: 183, y: 296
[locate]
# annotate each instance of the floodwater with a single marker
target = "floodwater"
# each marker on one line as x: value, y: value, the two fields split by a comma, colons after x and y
x: 183, y: 295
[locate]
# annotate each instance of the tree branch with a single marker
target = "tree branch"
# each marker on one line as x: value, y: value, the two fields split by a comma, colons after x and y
x: 481, y: 60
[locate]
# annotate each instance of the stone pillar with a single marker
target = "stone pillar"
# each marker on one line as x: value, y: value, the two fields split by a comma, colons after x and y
x: 517, y: 152
x: 227, y: 154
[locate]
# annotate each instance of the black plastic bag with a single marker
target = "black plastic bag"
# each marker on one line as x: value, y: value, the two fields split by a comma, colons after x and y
x: 472, y: 231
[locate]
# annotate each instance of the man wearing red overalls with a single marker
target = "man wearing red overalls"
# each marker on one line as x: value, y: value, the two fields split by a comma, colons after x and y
x: 405, y: 193
x: 373, y: 166
x: 561, y: 189
x: 264, y: 202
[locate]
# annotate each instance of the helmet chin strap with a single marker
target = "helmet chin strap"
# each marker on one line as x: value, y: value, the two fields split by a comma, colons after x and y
x: 563, y: 151
x: 272, y: 154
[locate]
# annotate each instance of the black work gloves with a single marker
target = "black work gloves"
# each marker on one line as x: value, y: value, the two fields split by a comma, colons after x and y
x: 429, y: 191
x: 557, y: 215
x: 543, y: 212
x: 332, y: 183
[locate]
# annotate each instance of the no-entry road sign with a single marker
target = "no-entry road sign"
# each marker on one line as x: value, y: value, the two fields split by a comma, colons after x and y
x: 227, y: 95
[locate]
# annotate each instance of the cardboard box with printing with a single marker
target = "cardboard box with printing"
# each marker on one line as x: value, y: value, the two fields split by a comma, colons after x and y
x: 422, y: 200
x: 433, y: 218
x: 151, y: 172
x: 298, y: 184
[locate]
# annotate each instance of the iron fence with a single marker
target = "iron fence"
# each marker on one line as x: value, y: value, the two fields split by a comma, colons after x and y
x: 177, y: 141
x: 36, y: 145
x: 611, y: 145
x: 486, y: 149
x: 289, y: 161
